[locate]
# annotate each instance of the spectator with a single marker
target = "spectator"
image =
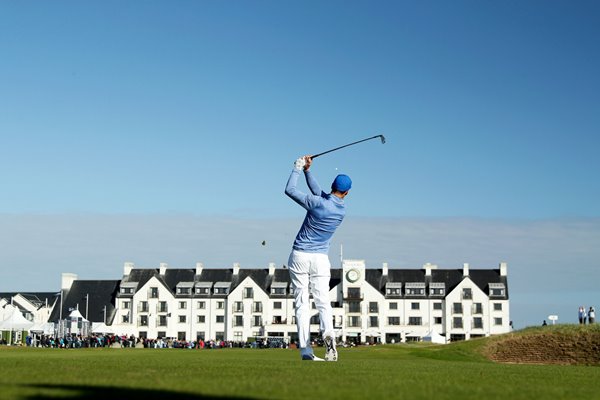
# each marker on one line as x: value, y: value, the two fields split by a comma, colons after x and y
x: 592, y: 315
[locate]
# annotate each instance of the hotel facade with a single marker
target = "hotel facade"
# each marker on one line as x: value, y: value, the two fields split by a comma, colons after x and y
x: 374, y: 305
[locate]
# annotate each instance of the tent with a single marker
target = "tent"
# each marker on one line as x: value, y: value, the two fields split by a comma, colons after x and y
x: 46, y: 328
x: 15, y: 322
x: 434, y: 337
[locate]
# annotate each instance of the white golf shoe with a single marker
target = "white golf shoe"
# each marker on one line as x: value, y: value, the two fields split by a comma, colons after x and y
x: 330, y: 352
x: 311, y: 357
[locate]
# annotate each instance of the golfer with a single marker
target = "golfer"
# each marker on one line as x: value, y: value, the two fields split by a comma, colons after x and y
x: 309, y: 264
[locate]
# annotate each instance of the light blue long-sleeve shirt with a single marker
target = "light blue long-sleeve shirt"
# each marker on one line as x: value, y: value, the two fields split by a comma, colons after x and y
x: 325, y: 213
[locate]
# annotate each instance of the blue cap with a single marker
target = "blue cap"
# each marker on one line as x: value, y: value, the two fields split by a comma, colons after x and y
x: 341, y: 183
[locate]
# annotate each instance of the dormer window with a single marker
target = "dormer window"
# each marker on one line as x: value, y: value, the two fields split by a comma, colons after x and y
x: 497, y: 290
x: 203, y: 288
x: 222, y: 288
x: 393, y: 289
x: 415, y: 288
x: 437, y: 289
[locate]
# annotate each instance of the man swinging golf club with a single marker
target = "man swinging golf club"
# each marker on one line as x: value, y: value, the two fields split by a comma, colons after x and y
x: 309, y: 264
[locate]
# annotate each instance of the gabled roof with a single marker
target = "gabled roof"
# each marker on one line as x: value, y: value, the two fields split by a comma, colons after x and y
x: 100, y: 293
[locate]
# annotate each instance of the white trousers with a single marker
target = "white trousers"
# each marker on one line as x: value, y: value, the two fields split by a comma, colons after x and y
x: 310, y: 274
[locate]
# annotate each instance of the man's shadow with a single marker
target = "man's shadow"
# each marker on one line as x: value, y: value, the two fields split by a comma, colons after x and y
x: 77, y: 392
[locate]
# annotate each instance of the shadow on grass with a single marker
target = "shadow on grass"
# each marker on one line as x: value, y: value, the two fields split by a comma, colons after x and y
x: 75, y: 392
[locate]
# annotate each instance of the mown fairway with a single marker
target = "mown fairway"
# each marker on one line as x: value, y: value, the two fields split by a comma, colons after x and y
x: 454, y: 371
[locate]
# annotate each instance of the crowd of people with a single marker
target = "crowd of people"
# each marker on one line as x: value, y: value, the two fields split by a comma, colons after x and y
x: 123, y: 341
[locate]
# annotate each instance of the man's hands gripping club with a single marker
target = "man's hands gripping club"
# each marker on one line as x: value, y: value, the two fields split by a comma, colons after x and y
x: 303, y: 163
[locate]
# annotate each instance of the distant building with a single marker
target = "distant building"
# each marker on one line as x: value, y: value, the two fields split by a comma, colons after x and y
x: 369, y: 305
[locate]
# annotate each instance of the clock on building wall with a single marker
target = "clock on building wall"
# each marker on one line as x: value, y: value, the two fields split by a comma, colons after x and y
x: 353, y: 275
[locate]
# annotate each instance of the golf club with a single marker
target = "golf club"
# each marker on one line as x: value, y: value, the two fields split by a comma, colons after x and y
x: 350, y: 144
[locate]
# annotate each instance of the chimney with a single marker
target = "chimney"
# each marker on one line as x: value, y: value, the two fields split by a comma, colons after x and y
x: 384, y: 268
x: 236, y: 268
x: 163, y: 268
x: 199, y: 268
x: 127, y: 267
x: 67, y: 280
x: 271, y: 269
x: 428, y: 268
x: 466, y: 269
x: 503, y: 267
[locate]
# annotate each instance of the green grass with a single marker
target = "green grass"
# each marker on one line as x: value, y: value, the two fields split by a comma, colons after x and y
x: 456, y: 371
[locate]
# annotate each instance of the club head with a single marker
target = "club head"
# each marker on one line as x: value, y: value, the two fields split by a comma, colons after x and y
x: 382, y: 139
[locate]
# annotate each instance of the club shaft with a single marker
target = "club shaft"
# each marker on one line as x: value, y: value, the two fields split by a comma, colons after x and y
x: 346, y: 145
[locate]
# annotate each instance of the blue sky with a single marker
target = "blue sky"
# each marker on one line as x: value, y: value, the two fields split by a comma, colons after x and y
x: 126, y: 115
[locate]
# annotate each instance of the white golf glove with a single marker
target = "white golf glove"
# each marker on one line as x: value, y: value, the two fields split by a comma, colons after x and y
x: 300, y: 163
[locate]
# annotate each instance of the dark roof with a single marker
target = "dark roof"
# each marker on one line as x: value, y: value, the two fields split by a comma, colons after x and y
x: 101, y: 293
x: 451, y: 277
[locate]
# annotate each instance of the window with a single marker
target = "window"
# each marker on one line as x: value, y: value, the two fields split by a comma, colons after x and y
x: 437, y: 289
x: 238, y: 306
x: 477, y: 323
x: 354, y: 322
x: 143, y: 306
x: 393, y: 291
x: 161, y: 334
x: 162, y: 306
x: 201, y: 319
x: 354, y: 293
x: 477, y: 308
x: 182, y: 319
x: 457, y: 308
x: 278, y: 290
x: 437, y: 305
x: 415, y: 291
x: 238, y: 320
x: 354, y: 306
x: 277, y: 319
x: 201, y: 305
x: 220, y: 305
x: 497, y: 306
x: 126, y: 305
x: 437, y: 320
x: 126, y: 290
x: 220, y: 319
x: 202, y: 290
x: 393, y: 320
x: 143, y: 320
x: 414, y: 321
x: 184, y: 290
x: 277, y: 305
x: 180, y: 335
x: 200, y: 335
x: 219, y: 335
x: 256, y: 320
x: 182, y: 305
x: 467, y: 294
x: 238, y: 336
x: 373, y: 322
x: 415, y: 306
x: 314, y: 320
x: 221, y: 290
x: 393, y: 306
x: 457, y: 322
x: 248, y: 293
x: 497, y: 321
x: 125, y: 319
x: 257, y: 307
x: 415, y: 288
x: 162, y: 321
x: 373, y: 307
x: 497, y: 290
x: 154, y: 293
